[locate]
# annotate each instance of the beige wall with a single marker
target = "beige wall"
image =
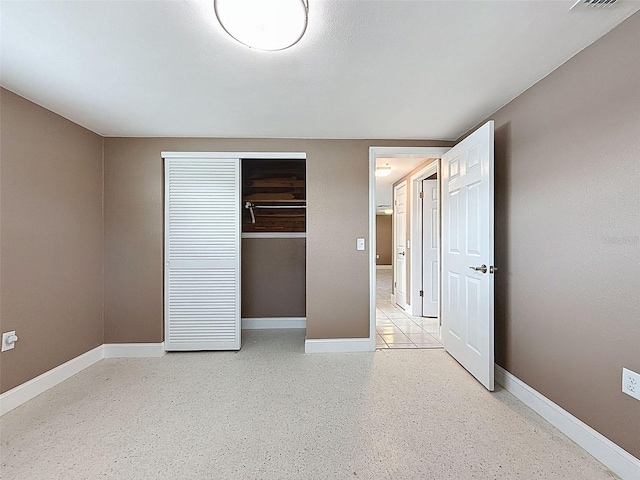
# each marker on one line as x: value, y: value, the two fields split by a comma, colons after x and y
x: 273, y: 277
x: 51, y: 239
x: 384, y: 240
x: 567, y: 234
x: 337, y: 303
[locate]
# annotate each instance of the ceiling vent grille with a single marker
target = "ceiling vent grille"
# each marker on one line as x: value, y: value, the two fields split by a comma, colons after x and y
x: 593, y: 4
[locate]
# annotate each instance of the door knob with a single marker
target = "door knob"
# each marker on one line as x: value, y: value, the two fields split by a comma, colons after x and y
x: 401, y: 253
x: 482, y: 268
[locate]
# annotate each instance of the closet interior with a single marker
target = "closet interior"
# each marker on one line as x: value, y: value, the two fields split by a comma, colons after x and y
x: 274, y: 201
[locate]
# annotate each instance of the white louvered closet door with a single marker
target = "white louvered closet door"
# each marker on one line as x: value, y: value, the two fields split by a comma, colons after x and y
x: 202, y: 253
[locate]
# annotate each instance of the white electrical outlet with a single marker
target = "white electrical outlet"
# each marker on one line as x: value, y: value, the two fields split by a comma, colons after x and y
x: 631, y: 383
x: 9, y: 340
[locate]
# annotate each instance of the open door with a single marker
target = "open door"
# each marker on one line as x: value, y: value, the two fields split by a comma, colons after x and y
x: 467, y: 254
x: 400, y: 243
x: 430, y: 236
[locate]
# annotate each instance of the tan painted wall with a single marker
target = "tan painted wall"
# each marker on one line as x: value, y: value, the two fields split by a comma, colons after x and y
x: 384, y: 240
x: 337, y: 302
x: 273, y: 277
x: 51, y: 239
x: 568, y: 234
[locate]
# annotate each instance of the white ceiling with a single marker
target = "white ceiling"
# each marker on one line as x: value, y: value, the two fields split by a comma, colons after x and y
x: 364, y: 69
x: 384, y: 185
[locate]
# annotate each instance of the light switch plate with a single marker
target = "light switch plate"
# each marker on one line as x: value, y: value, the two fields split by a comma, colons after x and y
x: 360, y: 244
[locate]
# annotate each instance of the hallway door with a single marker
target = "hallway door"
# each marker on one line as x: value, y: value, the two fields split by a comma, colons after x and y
x: 430, y: 234
x: 400, y: 243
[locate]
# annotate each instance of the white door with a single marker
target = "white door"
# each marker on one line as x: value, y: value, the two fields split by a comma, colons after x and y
x: 400, y: 243
x: 202, y: 254
x: 467, y: 256
x: 430, y: 239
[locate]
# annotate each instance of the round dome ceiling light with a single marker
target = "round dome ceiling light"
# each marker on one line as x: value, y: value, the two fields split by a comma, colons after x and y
x: 263, y: 24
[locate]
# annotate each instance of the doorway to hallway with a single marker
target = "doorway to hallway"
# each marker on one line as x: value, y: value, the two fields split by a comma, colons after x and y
x: 396, y: 328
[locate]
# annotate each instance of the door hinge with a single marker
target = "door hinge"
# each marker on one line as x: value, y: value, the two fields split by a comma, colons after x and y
x: 421, y: 293
x: 395, y: 284
x: 421, y: 194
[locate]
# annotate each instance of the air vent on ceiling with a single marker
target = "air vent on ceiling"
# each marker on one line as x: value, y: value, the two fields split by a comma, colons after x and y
x: 581, y: 4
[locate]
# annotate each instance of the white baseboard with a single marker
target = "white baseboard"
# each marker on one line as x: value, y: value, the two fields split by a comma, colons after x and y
x: 337, y: 345
x: 384, y: 267
x: 274, y: 322
x: 404, y: 306
x: 133, y: 350
x: 615, y: 458
x: 23, y: 393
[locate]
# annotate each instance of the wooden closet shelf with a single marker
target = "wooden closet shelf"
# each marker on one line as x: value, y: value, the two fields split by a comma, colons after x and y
x: 275, y: 183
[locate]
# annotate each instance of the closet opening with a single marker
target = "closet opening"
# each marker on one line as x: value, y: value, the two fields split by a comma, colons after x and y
x: 274, y: 203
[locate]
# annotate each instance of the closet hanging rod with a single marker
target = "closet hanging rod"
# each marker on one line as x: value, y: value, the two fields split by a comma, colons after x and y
x: 253, y: 205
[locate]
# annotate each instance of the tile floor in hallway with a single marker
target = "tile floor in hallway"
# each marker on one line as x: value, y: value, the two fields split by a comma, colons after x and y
x: 396, y: 328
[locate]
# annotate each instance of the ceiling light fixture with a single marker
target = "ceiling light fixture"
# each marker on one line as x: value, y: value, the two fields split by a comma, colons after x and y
x: 383, y: 171
x: 388, y: 211
x: 263, y: 24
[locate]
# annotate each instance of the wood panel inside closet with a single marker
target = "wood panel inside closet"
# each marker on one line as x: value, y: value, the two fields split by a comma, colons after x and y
x: 274, y: 196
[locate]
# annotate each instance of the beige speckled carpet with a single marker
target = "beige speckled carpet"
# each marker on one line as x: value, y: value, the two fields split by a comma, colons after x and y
x: 270, y: 411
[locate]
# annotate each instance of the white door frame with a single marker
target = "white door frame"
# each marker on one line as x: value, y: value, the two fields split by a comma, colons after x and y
x: 386, y: 152
x: 416, y: 233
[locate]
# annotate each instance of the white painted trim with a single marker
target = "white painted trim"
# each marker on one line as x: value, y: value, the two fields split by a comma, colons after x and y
x: 23, y: 393
x: 415, y: 228
x: 372, y: 248
x: 274, y: 235
x: 407, y: 152
x: 616, y: 459
x: 133, y: 350
x: 273, y: 322
x: 374, y: 152
x: 384, y: 267
x: 337, y: 345
x: 241, y: 155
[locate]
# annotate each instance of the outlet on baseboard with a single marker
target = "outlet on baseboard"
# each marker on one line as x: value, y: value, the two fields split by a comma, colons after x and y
x: 631, y: 383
